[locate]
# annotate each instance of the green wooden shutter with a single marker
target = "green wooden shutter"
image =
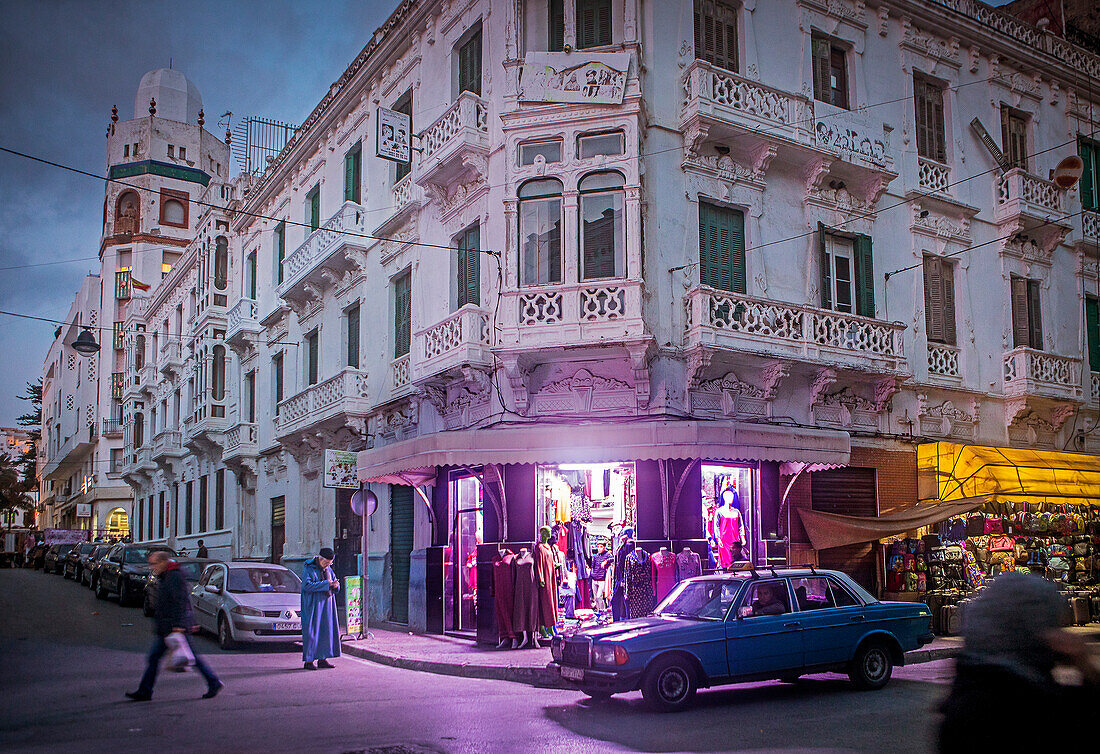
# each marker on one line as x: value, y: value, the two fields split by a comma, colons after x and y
x: 716, y: 33
x: 402, y: 319
x: 1092, y: 327
x: 556, y: 26
x: 1034, y: 316
x: 865, y: 277
x: 469, y: 65
x: 353, y: 337
x: 1089, y: 153
x: 469, y: 267
x: 593, y: 23
x: 280, y: 250
x: 401, y: 546
x: 353, y: 162
x: 722, y: 248
x: 1020, y: 330
x: 823, y: 84
x: 933, y: 300
x: 826, y: 271
x: 315, y: 208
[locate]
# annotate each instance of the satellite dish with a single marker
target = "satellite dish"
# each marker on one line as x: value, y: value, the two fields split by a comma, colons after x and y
x: 1068, y: 172
x: 363, y: 498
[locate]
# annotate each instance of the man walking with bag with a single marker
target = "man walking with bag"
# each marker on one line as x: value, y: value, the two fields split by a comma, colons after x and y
x: 171, y: 615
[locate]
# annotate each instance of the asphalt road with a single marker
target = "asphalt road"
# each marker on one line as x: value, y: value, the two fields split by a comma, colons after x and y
x: 66, y: 659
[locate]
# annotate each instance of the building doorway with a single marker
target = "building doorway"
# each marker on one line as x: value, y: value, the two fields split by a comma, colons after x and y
x: 118, y: 524
x: 460, y: 555
x: 278, y: 528
x: 401, y: 546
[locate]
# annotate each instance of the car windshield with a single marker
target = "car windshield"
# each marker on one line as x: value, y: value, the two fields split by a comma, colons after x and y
x: 139, y: 555
x: 191, y: 571
x: 703, y: 599
x: 249, y: 580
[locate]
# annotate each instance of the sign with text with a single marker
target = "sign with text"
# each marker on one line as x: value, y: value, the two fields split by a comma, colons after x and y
x: 65, y: 536
x: 594, y: 78
x: 83, y: 510
x: 340, y: 470
x: 394, y: 138
x: 353, y: 599
x: 851, y: 133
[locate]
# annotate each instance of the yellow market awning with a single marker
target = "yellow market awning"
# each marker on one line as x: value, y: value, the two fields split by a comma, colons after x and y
x: 950, y: 471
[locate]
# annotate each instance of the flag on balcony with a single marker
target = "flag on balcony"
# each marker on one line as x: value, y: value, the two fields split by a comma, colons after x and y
x: 138, y: 284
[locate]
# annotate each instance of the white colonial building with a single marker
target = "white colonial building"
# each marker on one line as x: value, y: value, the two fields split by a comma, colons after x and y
x: 648, y: 251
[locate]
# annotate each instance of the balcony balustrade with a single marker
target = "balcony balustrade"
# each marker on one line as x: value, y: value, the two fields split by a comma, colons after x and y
x: 933, y: 177
x: 943, y: 361
x: 400, y: 375
x: 325, y: 248
x: 1031, y: 372
x: 462, y: 338
x: 242, y: 322
x: 328, y: 402
x: 112, y: 428
x: 239, y: 441
x: 1094, y: 388
x: 574, y: 314
x: 732, y: 321
x: 167, y: 443
x: 171, y: 356
x: 1023, y: 195
x: 462, y: 131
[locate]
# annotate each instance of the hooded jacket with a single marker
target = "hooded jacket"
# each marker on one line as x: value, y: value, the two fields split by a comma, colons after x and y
x: 173, y: 605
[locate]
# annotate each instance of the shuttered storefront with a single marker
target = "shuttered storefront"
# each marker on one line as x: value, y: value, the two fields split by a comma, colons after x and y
x: 401, y: 545
x: 850, y: 491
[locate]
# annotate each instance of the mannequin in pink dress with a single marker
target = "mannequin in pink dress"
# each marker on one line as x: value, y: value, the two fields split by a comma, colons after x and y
x: 730, y: 529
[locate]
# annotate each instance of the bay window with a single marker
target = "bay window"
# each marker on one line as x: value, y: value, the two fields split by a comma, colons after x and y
x: 540, y: 223
x: 601, y: 226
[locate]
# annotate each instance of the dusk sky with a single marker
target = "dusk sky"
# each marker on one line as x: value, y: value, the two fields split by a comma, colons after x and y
x: 64, y: 64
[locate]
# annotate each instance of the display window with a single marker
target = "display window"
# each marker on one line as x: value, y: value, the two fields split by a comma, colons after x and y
x: 460, y: 555
x: 600, y: 496
x: 730, y: 523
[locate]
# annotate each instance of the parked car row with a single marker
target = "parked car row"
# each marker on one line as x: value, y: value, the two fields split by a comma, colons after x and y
x: 237, y: 602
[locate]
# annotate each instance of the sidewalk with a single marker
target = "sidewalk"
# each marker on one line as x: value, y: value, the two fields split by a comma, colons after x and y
x: 447, y: 655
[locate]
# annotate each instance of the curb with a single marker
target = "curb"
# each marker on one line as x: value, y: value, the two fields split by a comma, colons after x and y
x: 544, y: 677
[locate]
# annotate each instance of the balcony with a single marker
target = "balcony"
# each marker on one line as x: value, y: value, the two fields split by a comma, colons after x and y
x: 729, y: 104
x: 407, y: 198
x: 563, y: 316
x: 171, y: 357
x: 400, y: 376
x: 167, y: 444
x: 731, y: 321
x: 329, y: 404
x: 112, y: 428
x: 943, y: 362
x: 933, y: 177
x: 327, y: 253
x: 239, y: 442
x: 460, y: 339
x: 1028, y: 372
x: 202, y: 431
x: 1086, y: 228
x: 1027, y: 199
x: 1094, y: 388
x: 456, y: 145
x: 61, y: 463
x: 242, y: 324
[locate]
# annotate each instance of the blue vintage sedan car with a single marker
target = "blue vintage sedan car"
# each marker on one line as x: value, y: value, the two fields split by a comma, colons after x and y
x: 745, y: 626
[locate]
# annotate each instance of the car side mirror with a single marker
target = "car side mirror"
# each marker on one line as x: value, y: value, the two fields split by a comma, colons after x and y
x: 745, y: 611
x: 212, y: 589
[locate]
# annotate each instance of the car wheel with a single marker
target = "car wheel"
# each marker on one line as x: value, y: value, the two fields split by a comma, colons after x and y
x: 225, y: 633
x: 100, y: 590
x: 871, y: 667
x: 669, y: 684
x: 124, y: 597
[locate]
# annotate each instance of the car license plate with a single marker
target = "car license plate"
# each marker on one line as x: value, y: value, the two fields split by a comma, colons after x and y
x: 288, y: 626
x: 573, y: 674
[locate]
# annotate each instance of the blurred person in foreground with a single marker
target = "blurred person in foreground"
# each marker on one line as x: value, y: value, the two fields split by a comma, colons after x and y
x: 1014, y: 635
x: 171, y: 614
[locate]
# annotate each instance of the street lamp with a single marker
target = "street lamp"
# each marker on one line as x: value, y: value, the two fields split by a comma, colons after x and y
x: 85, y: 344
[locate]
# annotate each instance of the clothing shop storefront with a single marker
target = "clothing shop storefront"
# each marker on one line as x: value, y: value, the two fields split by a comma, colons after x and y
x: 534, y: 526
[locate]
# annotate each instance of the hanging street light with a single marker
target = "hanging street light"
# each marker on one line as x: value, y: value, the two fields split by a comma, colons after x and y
x: 85, y: 344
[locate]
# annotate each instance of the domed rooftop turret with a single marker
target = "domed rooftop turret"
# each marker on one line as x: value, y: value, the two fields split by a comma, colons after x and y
x: 177, y: 98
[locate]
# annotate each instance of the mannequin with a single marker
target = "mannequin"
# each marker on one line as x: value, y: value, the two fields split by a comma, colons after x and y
x: 618, y: 602
x: 687, y: 564
x: 525, y: 609
x: 546, y: 583
x: 638, y: 583
x: 504, y: 596
x: 664, y: 573
x: 730, y: 528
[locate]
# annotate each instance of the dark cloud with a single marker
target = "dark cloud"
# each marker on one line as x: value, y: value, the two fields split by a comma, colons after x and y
x: 62, y: 67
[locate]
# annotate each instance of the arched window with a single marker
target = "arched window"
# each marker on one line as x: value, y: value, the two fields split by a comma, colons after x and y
x: 118, y: 523
x: 217, y: 374
x: 602, y: 246
x: 221, y: 263
x: 127, y: 213
x: 540, y: 223
x: 139, y: 352
x: 173, y: 212
x: 139, y: 430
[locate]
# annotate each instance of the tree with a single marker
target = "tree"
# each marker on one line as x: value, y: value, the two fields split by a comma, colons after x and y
x: 32, y: 420
x: 13, y: 494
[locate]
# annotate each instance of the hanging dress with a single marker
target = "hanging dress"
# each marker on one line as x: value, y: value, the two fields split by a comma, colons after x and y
x: 638, y: 584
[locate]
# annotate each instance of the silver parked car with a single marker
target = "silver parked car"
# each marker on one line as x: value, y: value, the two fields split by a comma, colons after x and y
x: 248, y: 602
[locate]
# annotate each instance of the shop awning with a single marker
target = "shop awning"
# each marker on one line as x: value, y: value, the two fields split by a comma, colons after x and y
x: 413, y: 461
x: 834, y: 530
x: 950, y: 471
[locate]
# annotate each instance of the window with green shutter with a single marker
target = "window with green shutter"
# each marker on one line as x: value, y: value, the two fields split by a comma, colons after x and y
x: 250, y: 276
x: 313, y: 208
x: 722, y: 248
x: 593, y: 23
x: 1092, y: 327
x: 313, y: 351
x: 847, y: 272
x: 865, y: 277
x: 469, y: 63
x: 402, y: 315
x: 1089, y: 150
x: 469, y: 267
x: 404, y: 105
x: 353, y: 336
x: 353, y: 172
x: 280, y: 250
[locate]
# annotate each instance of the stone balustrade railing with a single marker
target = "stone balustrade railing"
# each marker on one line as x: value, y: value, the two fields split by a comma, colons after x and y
x: 468, y: 111
x: 347, y: 220
x: 1027, y: 371
x: 346, y: 390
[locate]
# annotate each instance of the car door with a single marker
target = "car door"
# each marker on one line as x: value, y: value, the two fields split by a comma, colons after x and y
x: 832, y: 619
x: 203, y: 603
x: 112, y: 569
x: 758, y: 643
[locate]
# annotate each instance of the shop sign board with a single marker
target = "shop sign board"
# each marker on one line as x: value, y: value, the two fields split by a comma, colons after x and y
x: 65, y: 536
x: 83, y: 510
x: 590, y: 78
x: 340, y: 470
x: 353, y: 598
x: 394, y: 138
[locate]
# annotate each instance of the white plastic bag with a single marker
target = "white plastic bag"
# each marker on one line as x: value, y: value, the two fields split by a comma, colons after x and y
x: 180, y: 657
